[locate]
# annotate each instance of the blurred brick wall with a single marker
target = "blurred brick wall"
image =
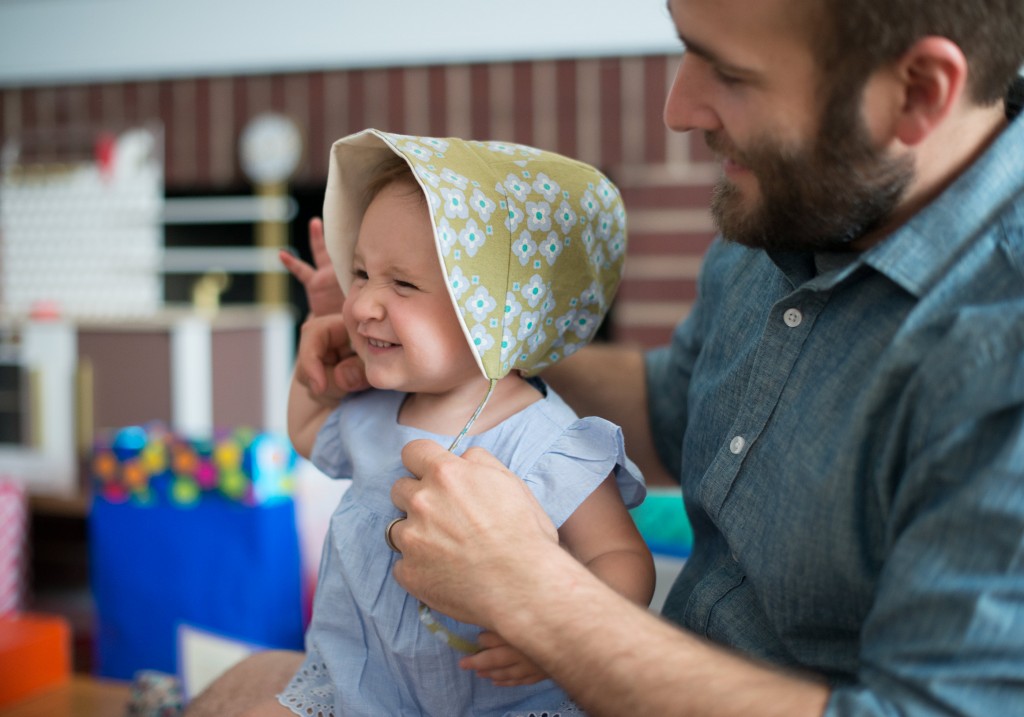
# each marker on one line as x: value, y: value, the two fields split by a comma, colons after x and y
x: 604, y: 111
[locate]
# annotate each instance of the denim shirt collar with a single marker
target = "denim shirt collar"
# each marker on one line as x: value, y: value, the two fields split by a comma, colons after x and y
x: 917, y: 254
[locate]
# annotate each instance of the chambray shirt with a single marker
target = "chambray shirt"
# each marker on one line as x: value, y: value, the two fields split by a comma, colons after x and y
x: 849, y: 434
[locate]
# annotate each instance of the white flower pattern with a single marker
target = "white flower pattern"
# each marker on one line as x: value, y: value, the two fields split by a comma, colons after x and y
x: 584, y: 324
x: 480, y: 304
x: 565, y: 217
x: 482, y: 340
x: 458, y: 281
x: 524, y: 247
x: 546, y: 187
x: 471, y: 237
x: 454, y: 203
x: 454, y: 178
x: 508, y: 343
x: 606, y: 193
x: 589, y: 204
x: 517, y: 187
x: 617, y: 246
x: 514, y: 217
x: 417, y: 150
x: 483, y: 206
x: 528, y: 322
x: 512, y: 307
x: 446, y: 236
x: 536, y: 339
x: 604, y: 225
x: 534, y: 290
x: 429, y: 177
x: 538, y: 216
x: 551, y: 247
x: 436, y: 143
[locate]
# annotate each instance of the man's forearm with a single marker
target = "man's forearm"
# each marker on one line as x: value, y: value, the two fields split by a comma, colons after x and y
x: 478, y: 547
x: 616, y: 658
x: 609, y: 381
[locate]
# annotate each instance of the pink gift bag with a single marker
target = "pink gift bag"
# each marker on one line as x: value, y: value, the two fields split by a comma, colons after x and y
x: 13, y: 522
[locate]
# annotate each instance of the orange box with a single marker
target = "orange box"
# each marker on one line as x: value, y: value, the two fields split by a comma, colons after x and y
x: 35, y: 655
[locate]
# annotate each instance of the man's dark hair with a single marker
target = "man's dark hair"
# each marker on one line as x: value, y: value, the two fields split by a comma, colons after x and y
x: 862, y: 35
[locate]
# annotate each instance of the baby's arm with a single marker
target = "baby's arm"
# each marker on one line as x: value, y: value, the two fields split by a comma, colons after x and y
x: 601, y: 535
x: 325, y: 370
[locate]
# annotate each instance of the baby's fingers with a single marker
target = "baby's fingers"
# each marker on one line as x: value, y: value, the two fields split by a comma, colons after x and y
x: 296, y: 266
x: 504, y: 665
x: 513, y: 673
x: 350, y: 375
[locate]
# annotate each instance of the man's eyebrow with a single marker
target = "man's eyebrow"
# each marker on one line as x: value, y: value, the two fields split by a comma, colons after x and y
x: 715, y: 59
x: 706, y: 53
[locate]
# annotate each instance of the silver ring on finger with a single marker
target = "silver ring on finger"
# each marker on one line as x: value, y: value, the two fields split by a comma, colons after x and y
x: 387, y: 533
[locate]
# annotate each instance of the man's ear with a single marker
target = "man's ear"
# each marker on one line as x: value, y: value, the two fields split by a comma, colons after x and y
x: 933, y: 75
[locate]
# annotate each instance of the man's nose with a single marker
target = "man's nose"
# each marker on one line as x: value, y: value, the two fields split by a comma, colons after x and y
x: 687, y: 106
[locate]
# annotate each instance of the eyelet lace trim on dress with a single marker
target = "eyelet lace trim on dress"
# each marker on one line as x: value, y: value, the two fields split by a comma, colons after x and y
x: 566, y: 709
x: 310, y: 692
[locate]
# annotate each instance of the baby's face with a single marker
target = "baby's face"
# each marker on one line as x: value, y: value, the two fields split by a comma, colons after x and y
x: 399, y: 316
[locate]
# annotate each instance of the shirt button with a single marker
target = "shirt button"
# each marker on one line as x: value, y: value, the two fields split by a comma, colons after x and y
x: 793, y: 318
x: 736, y: 445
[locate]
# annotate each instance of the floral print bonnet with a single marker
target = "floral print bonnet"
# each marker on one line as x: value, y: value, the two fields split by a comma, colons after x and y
x: 532, y: 243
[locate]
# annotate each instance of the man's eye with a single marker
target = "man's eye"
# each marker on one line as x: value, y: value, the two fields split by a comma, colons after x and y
x: 727, y: 79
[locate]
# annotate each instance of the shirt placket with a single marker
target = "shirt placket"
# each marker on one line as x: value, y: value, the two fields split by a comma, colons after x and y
x: 787, y: 327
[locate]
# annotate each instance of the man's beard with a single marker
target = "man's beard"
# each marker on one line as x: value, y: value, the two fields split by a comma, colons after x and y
x: 820, y: 197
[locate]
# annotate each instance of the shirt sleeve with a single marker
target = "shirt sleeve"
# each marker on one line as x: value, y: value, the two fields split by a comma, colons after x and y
x: 577, y: 462
x: 329, y: 454
x: 946, y: 632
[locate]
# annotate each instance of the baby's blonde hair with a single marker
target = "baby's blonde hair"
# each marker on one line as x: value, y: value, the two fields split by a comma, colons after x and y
x: 393, y: 170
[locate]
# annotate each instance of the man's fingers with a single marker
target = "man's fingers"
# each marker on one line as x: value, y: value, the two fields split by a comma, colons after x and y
x: 483, y: 457
x: 421, y: 455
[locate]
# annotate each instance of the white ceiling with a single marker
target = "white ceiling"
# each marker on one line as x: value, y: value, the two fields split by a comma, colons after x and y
x: 56, y: 41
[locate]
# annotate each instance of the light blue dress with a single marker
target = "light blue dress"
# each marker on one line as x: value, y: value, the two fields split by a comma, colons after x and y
x: 367, y: 651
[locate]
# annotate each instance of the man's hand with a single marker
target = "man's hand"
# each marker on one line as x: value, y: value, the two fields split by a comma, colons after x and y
x: 471, y: 525
x: 323, y: 293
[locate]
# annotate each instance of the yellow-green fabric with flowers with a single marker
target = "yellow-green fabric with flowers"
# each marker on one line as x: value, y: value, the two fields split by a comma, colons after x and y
x: 532, y: 243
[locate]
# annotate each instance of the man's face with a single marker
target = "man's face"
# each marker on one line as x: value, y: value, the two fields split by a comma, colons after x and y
x: 799, y: 171
x: 820, y: 195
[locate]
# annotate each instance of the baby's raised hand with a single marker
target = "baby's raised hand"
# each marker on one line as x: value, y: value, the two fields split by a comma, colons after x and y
x: 325, y: 362
x: 501, y: 663
x: 319, y: 280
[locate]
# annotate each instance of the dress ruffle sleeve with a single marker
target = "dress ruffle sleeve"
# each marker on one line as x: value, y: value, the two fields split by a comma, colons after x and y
x: 329, y: 454
x: 577, y: 462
